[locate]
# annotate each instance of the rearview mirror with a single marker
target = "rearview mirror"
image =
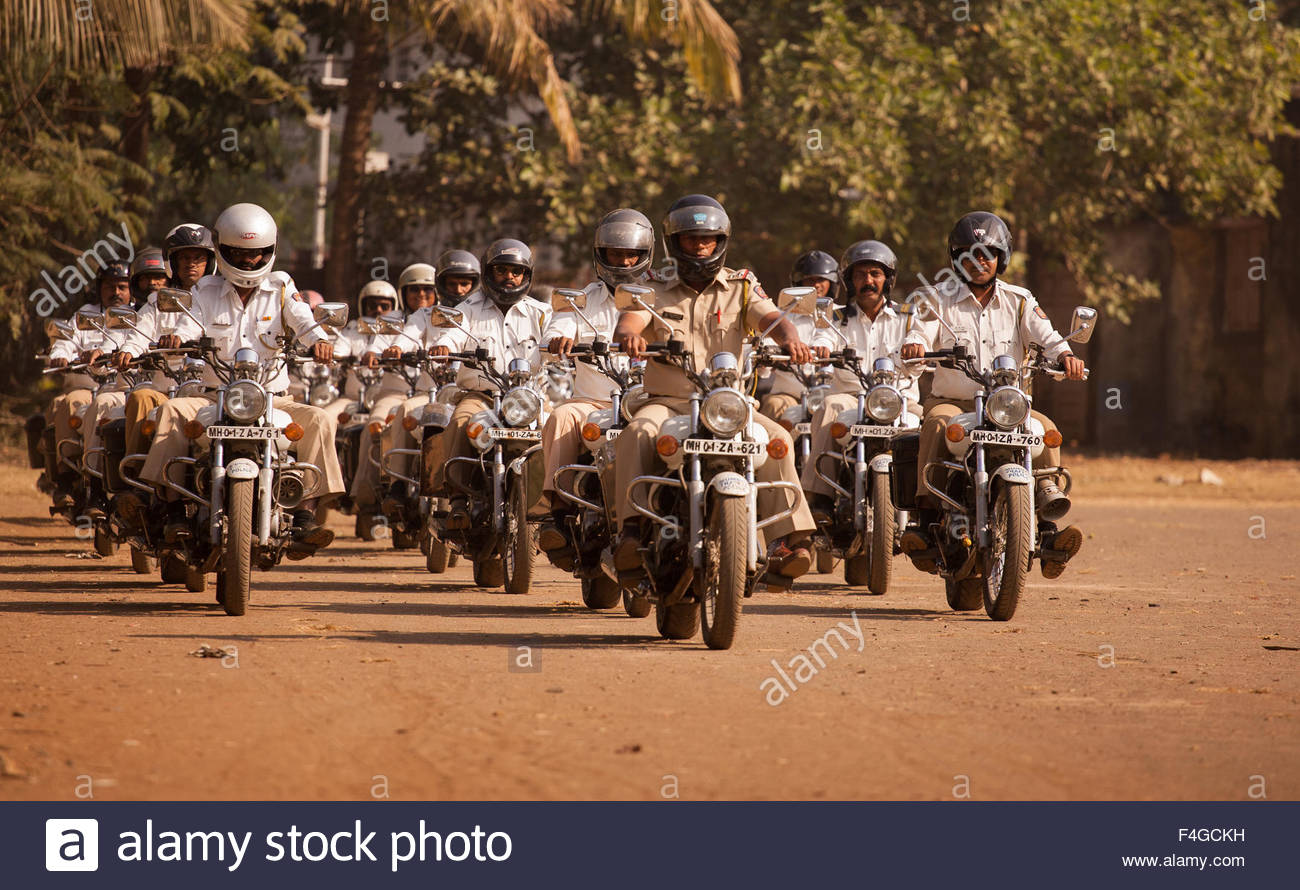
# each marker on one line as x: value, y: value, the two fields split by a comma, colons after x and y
x: 367, y: 326
x: 825, y: 307
x: 174, y: 299
x: 331, y: 315
x: 1082, y: 324
x: 798, y: 300
x: 566, y: 299
x: 390, y: 323
x: 121, y: 317
x: 444, y: 316
x: 922, y: 305
x: 89, y: 318
x: 59, y: 329
x: 631, y: 296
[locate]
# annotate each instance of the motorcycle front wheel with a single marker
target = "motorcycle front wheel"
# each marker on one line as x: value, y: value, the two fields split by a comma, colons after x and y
x: 236, y: 562
x: 518, y: 549
x: 634, y: 605
x: 104, y: 543
x: 883, y: 521
x: 677, y: 622
x: 726, y: 570
x: 600, y: 592
x: 438, y: 556
x: 1007, y: 563
x: 141, y: 562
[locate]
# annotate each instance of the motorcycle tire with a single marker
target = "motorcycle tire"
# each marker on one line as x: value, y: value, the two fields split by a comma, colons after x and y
x: 404, y: 540
x: 601, y: 592
x: 237, y: 560
x: 725, y: 572
x: 519, y: 545
x: 195, y: 580
x: 453, y: 560
x: 104, y: 543
x: 488, y: 572
x: 677, y: 622
x: 825, y: 562
x: 884, y: 525
x: 141, y: 562
x: 635, y: 606
x: 966, y: 595
x: 1007, y: 569
x: 438, y: 557
x: 172, y: 569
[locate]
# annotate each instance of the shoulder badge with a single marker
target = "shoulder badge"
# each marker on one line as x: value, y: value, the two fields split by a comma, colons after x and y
x: 1038, y: 310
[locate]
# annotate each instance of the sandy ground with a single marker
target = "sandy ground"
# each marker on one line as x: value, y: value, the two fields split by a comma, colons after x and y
x: 1165, y: 664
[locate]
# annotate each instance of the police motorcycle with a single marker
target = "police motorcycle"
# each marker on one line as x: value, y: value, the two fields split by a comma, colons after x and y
x: 865, y: 524
x: 502, y: 481
x: 240, y: 480
x: 63, y: 458
x: 352, y: 439
x: 987, y: 535
x: 701, y: 547
x: 579, y: 484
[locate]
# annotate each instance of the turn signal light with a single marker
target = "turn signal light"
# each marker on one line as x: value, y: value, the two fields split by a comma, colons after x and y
x: 956, y: 432
x: 149, y: 427
x: 74, y: 422
x: 409, y: 423
x: 293, y: 432
x: 1052, y: 438
x: 777, y: 449
x: 376, y: 429
x: 192, y: 429
x: 591, y: 432
x: 839, y: 430
x: 666, y: 446
x: 389, y: 418
x: 345, y: 418
x: 474, y: 430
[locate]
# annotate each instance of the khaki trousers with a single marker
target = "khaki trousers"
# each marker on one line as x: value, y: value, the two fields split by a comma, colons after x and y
x: 821, y: 441
x: 63, y: 409
x: 939, y: 412
x: 100, y: 407
x: 365, y: 484
x: 636, y: 455
x: 315, y: 447
x: 398, y: 436
x: 452, y: 442
x: 773, y: 404
x: 138, y: 406
x: 562, y: 437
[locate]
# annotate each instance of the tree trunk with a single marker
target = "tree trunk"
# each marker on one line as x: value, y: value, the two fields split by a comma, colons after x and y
x: 361, y: 100
x: 136, y: 123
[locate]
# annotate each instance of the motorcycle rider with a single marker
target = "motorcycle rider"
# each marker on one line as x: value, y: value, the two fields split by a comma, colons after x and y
x: 377, y: 298
x: 816, y: 269
x: 994, y: 318
x: 246, y: 302
x: 418, y: 286
x: 713, y: 308
x: 621, y: 252
x: 112, y: 288
x: 457, y: 278
x: 502, y: 318
x: 875, y: 329
x: 148, y: 273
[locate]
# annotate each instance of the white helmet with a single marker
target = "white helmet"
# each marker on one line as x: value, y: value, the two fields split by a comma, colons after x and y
x: 245, y: 226
x: 417, y: 273
x: 375, y: 290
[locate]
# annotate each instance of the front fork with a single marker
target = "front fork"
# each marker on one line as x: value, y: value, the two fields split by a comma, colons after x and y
x: 217, y: 505
x: 498, y: 490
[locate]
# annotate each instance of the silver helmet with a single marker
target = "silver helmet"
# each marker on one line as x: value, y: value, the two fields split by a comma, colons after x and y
x: 245, y: 227
x: 623, y: 229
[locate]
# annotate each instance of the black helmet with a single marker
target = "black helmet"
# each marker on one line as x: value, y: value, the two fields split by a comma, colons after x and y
x: 507, y: 252
x: 981, y: 230
x: 623, y: 229
x: 147, y: 262
x: 115, y: 269
x: 190, y: 235
x: 815, y: 264
x: 696, y: 215
x: 867, y: 252
x: 455, y: 262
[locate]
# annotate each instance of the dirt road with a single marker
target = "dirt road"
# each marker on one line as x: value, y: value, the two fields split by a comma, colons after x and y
x: 1163, y: 665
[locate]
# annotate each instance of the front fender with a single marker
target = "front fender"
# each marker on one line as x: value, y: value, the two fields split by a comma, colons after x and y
x: 732, y: 485
x: 1013, y: 473
x: 882, y: 462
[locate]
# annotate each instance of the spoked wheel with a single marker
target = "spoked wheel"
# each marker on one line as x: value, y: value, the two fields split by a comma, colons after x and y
x: 104, y: 543
x: 141, y: 562
x: 601, y: 592
x: 517, y: 555
x: 1007, y: 566
x: 677, y: 622
x: 236, y: 562
x: 965, y: 595
x: 883, y: 526
x: 488, y: 572
x: 725, y: 571
x: 635, y: 605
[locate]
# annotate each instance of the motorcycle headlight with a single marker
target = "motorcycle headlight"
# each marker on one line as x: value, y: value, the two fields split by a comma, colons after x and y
x: 1007, y: 407
x: 521, y: 406
x: 322, y: 394
x: 633, y: 399
x: 814, y: 398
x: 245, y: 401
x: 884, y: 404
x: 724, y: 412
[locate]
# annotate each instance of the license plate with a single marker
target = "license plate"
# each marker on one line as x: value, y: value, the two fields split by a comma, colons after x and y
x: 803, y: 429
x: 611, y: 435
x: 715, y: 446
x: 1006, y: 437
x: 243, y: 432
x: 526, y: 435
x: 872, y: 431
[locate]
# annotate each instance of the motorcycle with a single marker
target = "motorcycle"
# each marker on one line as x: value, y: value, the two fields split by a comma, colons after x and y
x: 700, y: 550
x: 580, y: 484
x: 865, y: 523
x: 987, y: 538
x: 240, y: 478
x: 499, y: 484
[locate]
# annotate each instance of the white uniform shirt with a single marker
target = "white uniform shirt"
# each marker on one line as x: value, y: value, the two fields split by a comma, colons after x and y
x: 1007, y: 326
x: 152, y: 324
x: 588, y: 383
x: 82, y: 342
x: 873, y: 339
x: 784, y: 382
x: 414, y: 336
x: 233, y: 325
x: 515, y: 333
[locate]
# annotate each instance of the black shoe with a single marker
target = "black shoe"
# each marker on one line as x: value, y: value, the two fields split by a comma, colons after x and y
x: 554, y: 533
x: 822, y: 507
x: 306, y: 530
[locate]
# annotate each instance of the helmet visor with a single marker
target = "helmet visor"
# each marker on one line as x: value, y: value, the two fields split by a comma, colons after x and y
x: 699, y: 220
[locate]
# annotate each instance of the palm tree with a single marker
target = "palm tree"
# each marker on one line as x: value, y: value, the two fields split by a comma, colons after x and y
x: 512, y: 34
